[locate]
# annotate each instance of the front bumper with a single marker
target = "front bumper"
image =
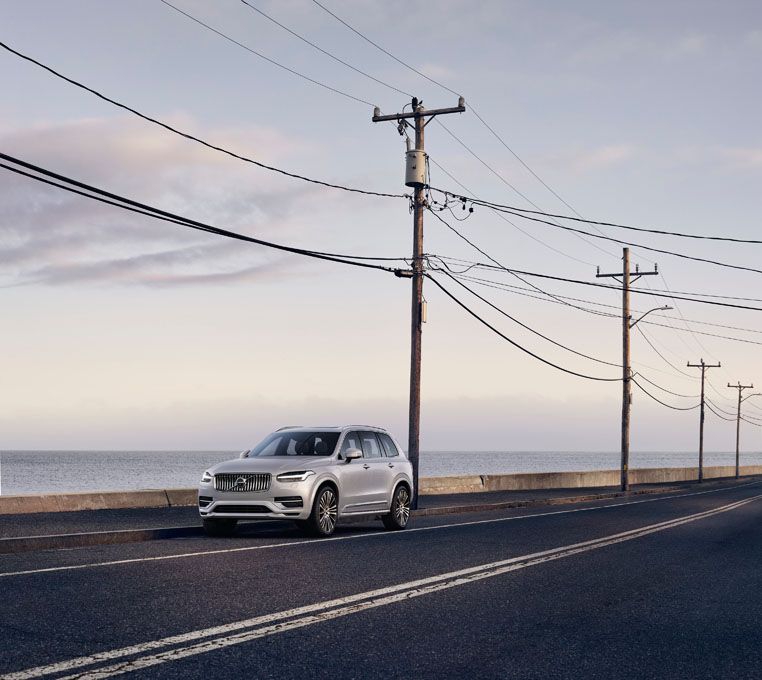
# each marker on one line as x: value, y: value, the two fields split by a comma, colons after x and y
x: 283, y: 500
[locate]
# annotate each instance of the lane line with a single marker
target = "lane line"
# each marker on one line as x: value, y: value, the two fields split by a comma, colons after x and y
x: 314, y: 541
x: 332, y: 609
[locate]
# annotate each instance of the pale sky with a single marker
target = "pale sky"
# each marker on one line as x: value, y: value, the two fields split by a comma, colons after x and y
x: 122, y: 332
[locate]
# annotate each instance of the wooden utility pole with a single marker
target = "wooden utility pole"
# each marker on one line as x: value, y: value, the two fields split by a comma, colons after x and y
x: 740, y: 389
x: 703, y: 368
x: 415, y: 177
x: 626, y: 370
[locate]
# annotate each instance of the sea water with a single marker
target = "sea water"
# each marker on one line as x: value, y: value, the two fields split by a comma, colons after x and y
x: 33, y: 472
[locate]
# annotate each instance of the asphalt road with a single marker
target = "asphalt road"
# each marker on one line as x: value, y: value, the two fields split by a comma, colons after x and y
x: 661, y: 586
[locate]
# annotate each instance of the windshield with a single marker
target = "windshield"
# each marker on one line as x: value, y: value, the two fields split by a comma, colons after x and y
x: 297, y: 443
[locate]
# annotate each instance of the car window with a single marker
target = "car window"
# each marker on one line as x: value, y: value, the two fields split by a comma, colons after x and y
x: 351, y: 441
x: 388, y: 444
x: 297, y: 443
x: 370, y: 446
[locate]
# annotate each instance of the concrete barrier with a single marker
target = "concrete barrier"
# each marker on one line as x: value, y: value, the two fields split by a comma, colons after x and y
x: 157, y: 498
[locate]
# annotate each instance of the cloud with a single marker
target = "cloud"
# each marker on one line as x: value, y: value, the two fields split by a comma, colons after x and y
x: 50, y: 236
x: 741, y: 158
x: 579, y: 159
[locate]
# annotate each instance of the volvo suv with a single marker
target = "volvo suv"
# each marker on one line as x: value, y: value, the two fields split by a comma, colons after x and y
x: 314, y: 476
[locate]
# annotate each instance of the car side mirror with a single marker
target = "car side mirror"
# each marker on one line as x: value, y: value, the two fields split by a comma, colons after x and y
x: 351, y: 454
x: 244, y: 454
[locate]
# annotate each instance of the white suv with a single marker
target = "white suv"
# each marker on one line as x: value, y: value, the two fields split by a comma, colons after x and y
x: 312, y: 475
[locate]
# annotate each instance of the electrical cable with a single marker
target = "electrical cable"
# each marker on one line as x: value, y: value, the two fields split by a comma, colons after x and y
x: 193, y: 138
x: 482, y: 265
x: 720, y: 409
x: 512, y: 342
x: 513, y: 224
x: 508, y: 184
x: 660, y: 232
x: 320, y: 49
x: 656, y: 399
x: 664, y: 389
x: 487, y: 255
x: 708, y: 405
x: 150, y: 211
x: 262, y: 56
x: 444, y: 87
x: 523, y: 325
x: 612, y: 239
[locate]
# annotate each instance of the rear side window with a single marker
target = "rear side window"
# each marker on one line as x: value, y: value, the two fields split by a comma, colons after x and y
x: 388, y: 444
x: 370, y: 446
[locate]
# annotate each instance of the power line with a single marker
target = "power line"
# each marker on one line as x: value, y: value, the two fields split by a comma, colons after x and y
x: 500, y: 266
x: 656, y: 399
x: 709, y: 406
x: 513, y: 224
x: 482, y: 265
x: 193, y: 138
x: 523, y: 325
x: 608, y: 238
x: 661, y: 232
x: 512, y: 342
x: 262, y: 56
x: 145, y: 209
x: 508, y: 184
x: 664, y: 389
x: 444, y: 87
x: 319, y: 49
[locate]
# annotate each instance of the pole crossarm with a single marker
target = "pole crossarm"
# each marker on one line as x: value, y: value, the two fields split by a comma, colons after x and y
x: 418, y: 112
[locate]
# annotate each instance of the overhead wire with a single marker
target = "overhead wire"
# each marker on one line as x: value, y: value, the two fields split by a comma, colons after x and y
x: 513, y: 342
x: 95, y: 193
x: 320, y: 49
x: 525, y: 326
x: 262, y: 56
x: 610, y: 238
x: 663, y: 403
x: 193, y: 138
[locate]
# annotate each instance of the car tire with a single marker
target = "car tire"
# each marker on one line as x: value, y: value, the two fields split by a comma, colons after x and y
x: 219, y: 527
x: 398, y: 518
x: 325, y: 513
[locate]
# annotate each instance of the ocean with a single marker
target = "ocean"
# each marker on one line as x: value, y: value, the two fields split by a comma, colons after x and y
x: 33, y: 472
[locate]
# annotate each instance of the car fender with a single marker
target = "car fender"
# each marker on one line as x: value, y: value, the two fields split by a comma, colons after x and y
x: 319, y: 481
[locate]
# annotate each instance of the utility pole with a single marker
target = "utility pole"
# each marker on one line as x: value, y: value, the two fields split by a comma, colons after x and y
x: 740, y: 389
x: 415, y: 176
x: 626, y: 370
x: 703, y: 368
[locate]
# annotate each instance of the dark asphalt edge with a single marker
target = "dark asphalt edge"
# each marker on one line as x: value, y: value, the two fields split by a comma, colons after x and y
x: 63, y: 541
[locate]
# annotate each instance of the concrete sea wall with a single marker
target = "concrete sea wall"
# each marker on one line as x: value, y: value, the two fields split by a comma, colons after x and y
x: 155, y: 498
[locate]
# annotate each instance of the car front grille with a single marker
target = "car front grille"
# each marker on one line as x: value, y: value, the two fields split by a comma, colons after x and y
x: 242, y: 482
x: 241, y: 509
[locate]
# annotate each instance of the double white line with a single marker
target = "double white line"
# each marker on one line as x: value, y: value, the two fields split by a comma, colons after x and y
x: 177, y: 647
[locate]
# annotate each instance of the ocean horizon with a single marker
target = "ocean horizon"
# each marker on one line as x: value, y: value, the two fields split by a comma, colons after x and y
x: 65, y: 471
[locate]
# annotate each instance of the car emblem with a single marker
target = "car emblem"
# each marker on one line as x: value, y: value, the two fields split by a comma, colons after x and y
x: 241, y: 481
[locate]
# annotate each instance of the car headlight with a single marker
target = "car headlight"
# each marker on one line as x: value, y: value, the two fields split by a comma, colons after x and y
x: 296, y: 476
x: 206, y: 477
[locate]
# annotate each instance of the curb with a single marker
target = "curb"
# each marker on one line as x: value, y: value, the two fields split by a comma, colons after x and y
x: 62, y: 541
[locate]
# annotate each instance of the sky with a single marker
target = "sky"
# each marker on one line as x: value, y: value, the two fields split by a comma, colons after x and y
x: 123, y: 332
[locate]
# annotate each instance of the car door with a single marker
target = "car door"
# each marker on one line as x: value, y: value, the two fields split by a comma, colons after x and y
x: 380, y: 475
x: 353, y: 476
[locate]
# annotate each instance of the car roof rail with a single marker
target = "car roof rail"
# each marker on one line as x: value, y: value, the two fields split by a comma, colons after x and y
x: 288, y: 427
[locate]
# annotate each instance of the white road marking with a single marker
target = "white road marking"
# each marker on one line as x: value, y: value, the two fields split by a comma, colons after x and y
x: 313, y: 541
x: 323, y: 611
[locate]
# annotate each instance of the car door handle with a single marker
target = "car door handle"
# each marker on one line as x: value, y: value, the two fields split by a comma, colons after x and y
x: 366, y: 466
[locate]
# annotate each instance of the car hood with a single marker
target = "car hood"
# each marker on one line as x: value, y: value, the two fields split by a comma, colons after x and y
x: 272, y: 464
